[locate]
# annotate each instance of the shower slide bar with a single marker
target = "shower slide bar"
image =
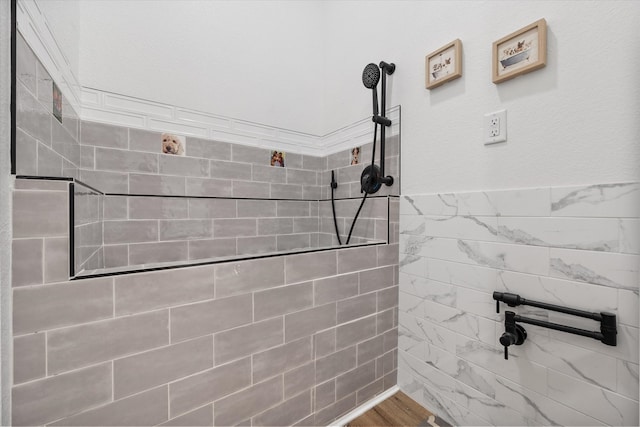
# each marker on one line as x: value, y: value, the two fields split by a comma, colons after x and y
x: 515, y: 334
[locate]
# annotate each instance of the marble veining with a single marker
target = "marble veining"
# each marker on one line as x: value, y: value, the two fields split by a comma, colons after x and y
x: 413, y: 205
x: 575, y: 246
x: 580, y: 372
x: 470, y: 377
x: 534, y: 407
x: 474, y: 254
x: 580, y: 273
x: 409, y: 259
x: 522, y: 237
x: 428, y: 289
x: 595, y: 195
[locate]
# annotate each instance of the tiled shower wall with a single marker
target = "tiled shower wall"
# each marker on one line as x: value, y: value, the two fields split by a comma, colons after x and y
x: 141, y: 229
x: 570, y: 246
x: 44, y: 146
x: 124, y: 160
x: 116, y: 159
x: 298, y: 339
x: 378, y: 220
x: 88, y: 229
x: 132, y: 165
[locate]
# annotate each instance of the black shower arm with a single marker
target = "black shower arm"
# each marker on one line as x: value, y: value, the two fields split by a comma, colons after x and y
x: 514, y: 300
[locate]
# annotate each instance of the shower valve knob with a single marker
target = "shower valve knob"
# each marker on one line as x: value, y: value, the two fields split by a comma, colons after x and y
x: 514, y: 334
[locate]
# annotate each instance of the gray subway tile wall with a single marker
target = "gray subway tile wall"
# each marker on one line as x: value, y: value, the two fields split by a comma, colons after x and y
x: 23, y: 271
x: 146, y: 292
x: 282, y: 358
x: 88, y: 237
x: 240, y: 341
x: 127, y: 160
x: 208, y: 187
x: 55, y: 397
x: 124, y: 160
x: 62, y: 304
x: 44, y: 147
x: 160, y: 366
x: 83, y: 345
x: 198, y: 229
x: 158, y: 252
x: 30, y: 359
x: 146, y: 408
x: 195, y: 391
x: 199, y: 417
x: 286, y: 340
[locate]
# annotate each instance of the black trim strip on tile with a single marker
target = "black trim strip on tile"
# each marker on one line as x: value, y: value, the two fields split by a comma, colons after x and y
x: 45, y: 178
x: 13, y: 103
x: 72, y: 231
x: 222, y: 261
x: 70, y: 179
x: 235, y: 198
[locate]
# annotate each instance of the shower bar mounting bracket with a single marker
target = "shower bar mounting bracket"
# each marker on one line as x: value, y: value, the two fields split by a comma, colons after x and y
x: 515, y: 334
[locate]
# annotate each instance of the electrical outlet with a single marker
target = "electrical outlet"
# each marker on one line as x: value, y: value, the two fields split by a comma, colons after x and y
x: 495, y: 127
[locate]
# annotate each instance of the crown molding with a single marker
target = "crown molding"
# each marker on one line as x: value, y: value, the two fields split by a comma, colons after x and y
x: 117, y: 109
x: 36, y: 31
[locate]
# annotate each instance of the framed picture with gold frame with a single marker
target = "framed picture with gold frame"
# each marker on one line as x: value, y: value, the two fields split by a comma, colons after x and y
x: 520, y: 52
x: 443, y: 65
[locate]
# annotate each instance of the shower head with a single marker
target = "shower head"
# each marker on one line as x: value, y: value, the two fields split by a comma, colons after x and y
x: 370, y: 76
x: 370, y: 79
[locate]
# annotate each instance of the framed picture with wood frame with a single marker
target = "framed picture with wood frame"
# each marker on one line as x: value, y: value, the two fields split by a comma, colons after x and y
x: 520, y: 52
x: 443, y: 65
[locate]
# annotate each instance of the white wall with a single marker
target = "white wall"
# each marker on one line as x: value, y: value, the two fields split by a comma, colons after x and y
x: 260, y: 61
x: 573, y: 122
x: 297, y: 65
x: 63, y: 18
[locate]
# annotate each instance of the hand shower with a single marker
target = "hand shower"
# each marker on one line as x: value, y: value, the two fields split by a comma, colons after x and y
x: 373, y: 176
x: 370, y: 79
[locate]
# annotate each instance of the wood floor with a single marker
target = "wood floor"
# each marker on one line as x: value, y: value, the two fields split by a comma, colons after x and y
x: 398, y: 410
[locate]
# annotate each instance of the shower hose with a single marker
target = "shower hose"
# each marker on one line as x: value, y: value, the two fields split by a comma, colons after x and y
x: 334, y: 185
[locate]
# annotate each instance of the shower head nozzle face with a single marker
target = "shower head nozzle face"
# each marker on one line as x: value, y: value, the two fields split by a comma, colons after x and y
x: 370, y: 76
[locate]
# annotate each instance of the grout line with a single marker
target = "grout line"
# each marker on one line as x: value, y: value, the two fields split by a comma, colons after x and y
x: 113, y: 380
x: 169, y: 310
x: 46, y: 354
x: 113, y: 295
x: 42, y: 261
x: 168, y: 402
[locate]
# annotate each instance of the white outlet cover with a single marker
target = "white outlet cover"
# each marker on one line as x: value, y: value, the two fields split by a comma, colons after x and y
x: 495, y: 127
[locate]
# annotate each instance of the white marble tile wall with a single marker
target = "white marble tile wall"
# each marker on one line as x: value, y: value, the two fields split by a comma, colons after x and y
x: 574, y: 246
